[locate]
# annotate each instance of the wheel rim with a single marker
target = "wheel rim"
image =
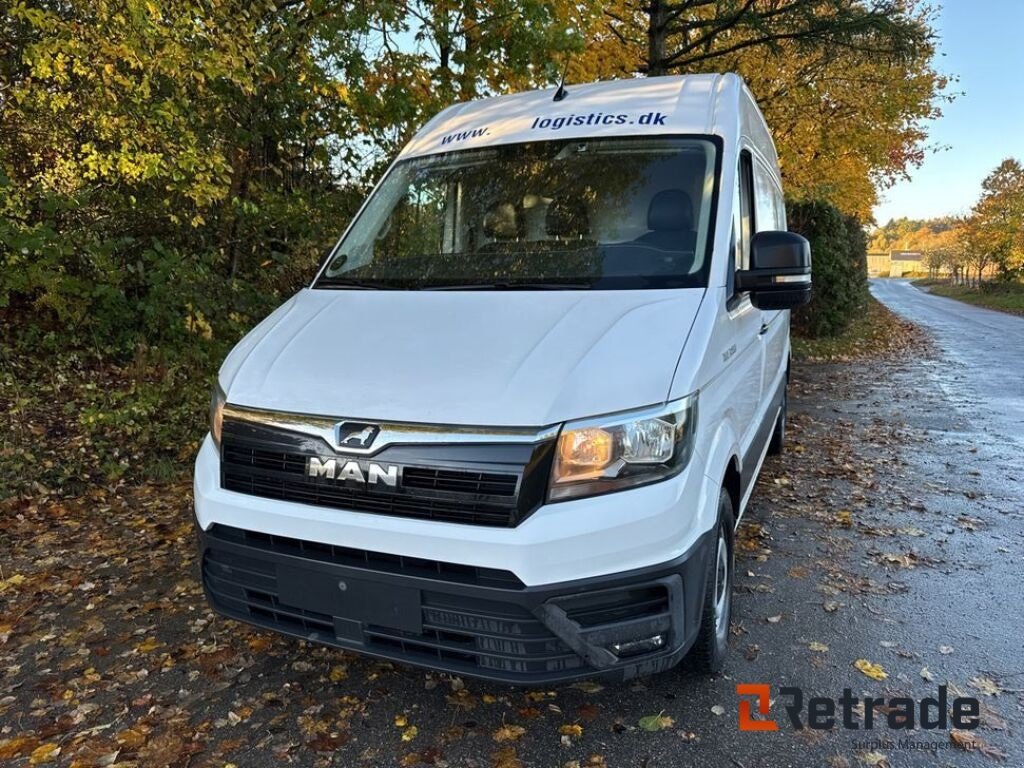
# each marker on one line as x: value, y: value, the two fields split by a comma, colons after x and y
x: 723, y: 589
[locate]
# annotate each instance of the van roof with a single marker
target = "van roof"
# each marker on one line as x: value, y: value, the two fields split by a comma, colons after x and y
x: 682, y: 104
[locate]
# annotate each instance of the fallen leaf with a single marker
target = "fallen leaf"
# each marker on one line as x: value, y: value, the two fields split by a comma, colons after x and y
x: 148, y: 645
x: 657, y: 722
x: 909, y: 560
x: 509, y: 733
x: 540, y: 695
x: 874, y: 671
x: 718, y: 709
x: 985, y: 685
x: 588, y: 686
x: 338, y: 673
x: 13, y: 581
x: 19, y: 746
x: 991, y: 720
x: 401, y: 721
x: 410, y: 733
x: 830, y: 606
x: 506, y: 758
x: 573, y: 730
x: 876, y: 759
x: 969, y: 741
x: 259, y: 643
x: 818, y: 647
x: 131, y: 738
x: 44, y: 753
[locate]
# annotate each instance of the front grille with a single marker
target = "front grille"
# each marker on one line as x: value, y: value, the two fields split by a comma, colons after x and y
x: 450, y: 495
x: 471, y: 635
x: 480, y: 483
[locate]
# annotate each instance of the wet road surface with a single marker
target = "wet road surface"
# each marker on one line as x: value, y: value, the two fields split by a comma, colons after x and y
x: 890, y: 533
x: 983, y: 348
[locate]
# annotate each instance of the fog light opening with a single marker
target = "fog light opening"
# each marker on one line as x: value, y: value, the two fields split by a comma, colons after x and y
x: 636, y: 647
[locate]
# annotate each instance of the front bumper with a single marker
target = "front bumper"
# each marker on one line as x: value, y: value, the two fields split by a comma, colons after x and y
x: 460, y: 619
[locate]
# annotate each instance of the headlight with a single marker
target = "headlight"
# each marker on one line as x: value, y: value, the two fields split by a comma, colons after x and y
x: 217, y: 401
x: 610, y: 453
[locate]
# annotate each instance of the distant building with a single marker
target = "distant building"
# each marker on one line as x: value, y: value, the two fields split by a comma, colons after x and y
x: 878, y: 264
x: 905, y: 263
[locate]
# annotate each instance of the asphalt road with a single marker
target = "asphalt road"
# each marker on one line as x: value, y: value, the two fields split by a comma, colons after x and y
x: 890, y: 533
x: 983, y: 349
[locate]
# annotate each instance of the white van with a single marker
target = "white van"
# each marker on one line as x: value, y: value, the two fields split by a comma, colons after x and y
x: 509, y: 429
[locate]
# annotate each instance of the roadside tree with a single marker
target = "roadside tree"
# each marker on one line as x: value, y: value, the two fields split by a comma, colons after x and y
x: 997, y: 221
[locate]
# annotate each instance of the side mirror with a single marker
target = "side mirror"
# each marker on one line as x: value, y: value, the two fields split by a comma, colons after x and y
x: 780, y: 271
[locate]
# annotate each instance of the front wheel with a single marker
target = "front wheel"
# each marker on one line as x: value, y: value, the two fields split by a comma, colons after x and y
x: 712, y: 644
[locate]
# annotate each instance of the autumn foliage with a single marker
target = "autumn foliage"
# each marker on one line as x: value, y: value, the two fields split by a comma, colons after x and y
x: 984, y: 244
x: 169, y: 171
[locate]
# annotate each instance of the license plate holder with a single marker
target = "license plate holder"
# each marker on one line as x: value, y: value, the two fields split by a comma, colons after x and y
x: 367, y: 602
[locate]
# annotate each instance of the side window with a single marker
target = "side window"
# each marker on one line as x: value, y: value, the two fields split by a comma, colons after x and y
x: 744, y: 211
x: 743, y: 218
x: 730, y: 275
x: 769, y: 206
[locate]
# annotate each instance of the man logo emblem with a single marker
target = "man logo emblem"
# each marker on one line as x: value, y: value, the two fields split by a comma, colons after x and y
x: 356, y: 435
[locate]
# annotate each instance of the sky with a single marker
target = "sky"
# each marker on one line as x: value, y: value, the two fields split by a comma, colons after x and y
x: 981, y: 42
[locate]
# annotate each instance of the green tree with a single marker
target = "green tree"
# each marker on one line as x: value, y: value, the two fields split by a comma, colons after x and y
x: 165, y: 165
x: 997, y: 221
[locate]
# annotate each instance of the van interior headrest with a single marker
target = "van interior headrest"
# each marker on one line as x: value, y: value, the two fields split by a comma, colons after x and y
x: 670, y: 210
x: 501, y: 222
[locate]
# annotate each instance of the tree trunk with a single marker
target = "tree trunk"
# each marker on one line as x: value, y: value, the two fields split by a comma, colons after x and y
x: 657, y: 38
x: 471, y: 45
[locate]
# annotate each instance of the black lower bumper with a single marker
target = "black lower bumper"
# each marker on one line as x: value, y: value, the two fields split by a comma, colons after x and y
x: 470, y: 621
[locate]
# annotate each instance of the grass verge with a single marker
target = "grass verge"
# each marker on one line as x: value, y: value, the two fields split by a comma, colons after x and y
x: 1005, y: 297
x: 876, y: 332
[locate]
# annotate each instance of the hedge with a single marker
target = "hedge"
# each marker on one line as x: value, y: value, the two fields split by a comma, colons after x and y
x: 839, y: 268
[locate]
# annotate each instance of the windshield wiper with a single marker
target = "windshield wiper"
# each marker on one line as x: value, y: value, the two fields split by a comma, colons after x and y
x: 359, y: 285
x: 505, y: 286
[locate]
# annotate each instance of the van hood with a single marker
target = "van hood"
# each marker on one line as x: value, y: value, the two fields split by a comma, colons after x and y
x: 482, y: 358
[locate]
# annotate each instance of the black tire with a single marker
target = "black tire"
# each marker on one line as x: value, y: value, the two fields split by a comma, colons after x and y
x: 712, y: 644
x: 778, y: 440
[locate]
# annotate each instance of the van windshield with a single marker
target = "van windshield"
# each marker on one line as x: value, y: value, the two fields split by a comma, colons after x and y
x: 581, y: 214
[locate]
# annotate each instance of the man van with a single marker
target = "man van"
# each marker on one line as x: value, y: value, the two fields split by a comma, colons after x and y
x: 510, y: 427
